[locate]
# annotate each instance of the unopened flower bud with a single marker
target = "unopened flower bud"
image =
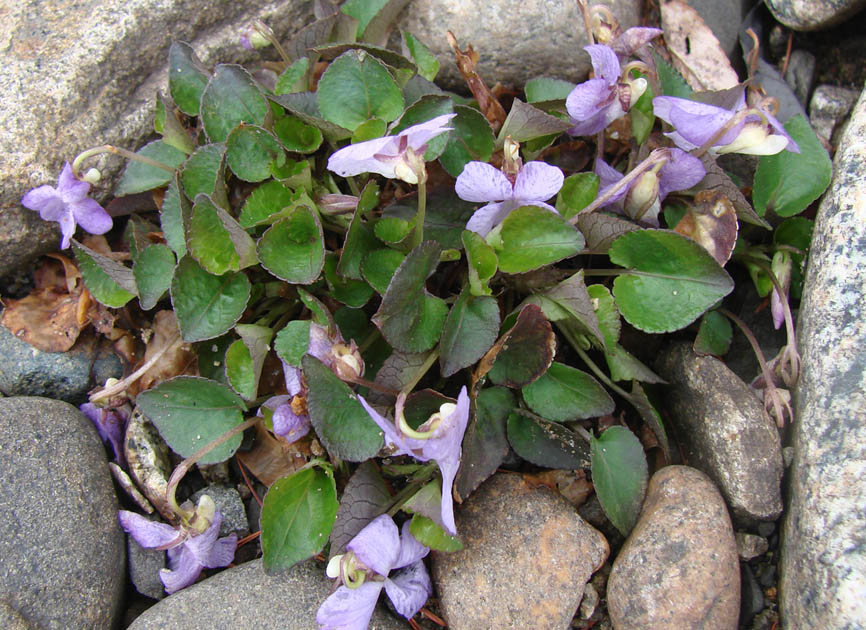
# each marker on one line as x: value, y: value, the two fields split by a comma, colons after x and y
x: 348, y: 363
x: 253, y: 39
x: 755, y: 139
x: 637, y: 87
x: 332, y: 204
x: 204, y: 514
x: 782, y: 266
x: 92, y: 176
x: 511, y: 161
x: 642, y: 195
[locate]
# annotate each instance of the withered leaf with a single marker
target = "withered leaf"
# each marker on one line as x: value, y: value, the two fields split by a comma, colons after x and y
x: 717, y: 179
x: 273, y: 458
x: 487, y: 102
x: 178, y: 356
x: 711, y: 221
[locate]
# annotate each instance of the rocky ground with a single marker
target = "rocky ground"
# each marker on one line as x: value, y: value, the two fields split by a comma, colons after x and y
x: 760, y: 522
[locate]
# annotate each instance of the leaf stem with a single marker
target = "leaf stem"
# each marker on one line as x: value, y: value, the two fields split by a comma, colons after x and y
x: 120, y: 386
x: 107, y: 148
x: 422, y: 370
x: 418, y: 232
x: 599, y: 374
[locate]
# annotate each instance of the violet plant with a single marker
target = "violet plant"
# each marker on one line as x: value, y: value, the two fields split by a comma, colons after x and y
x: 374, y: 238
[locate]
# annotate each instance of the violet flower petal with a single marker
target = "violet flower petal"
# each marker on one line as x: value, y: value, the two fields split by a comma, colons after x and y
x: 604, y: 62
x: 210, y: 552
x: 377, y: 545
x: 420, y: 134
x: 411, y: 551
x: 149, y: 534
x: 358, y: 158
x: 409, y: 589
x: 480, y: 181
x: 90, y: 216
x: 45, y: 200
x: 777, y: 309
x: 404, y: 445
x: 292, y: 376
x: 349, y: 608
x: 71, y: 189
x: 183, y: 569
x: 633, y: 39
x: 488, y: 217
x: 695, y: 123
x: 680, y: 172
x: 109, y: 425
x: 537, y: 181
x: 320, y: 344
x: 289, y: 425
x: 588, y: 99
x: 608, y: 176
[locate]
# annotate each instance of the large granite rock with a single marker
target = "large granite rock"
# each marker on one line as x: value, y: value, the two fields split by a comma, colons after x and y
x: 81, y: 74
x: 526, y: 558
x: 517, y: 40
x: 244, y: 597
x: 678, y: 567
x: 823, y: 574
x: 723, y: 430
x: 812, y: 15
x: 61, y: 546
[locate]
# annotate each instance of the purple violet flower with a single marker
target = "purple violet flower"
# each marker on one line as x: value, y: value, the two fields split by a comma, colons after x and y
x: 189, y: 551
x: 479, y: 181
x: 441, y: 439
x: 364, y: 569
x: 395, y: 157
x: 596, y: 103
x: 641, y: 200
x: 695, y: 124
x: 68, y: 204
x: 632, y: 40
x: 110, y: 423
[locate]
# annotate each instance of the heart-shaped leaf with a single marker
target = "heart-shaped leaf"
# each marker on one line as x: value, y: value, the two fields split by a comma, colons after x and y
x: 428, y: 65
x: 360, y: 239
x: 173, y: 216
x: 570, y: 300
x: 293, y: 248
x: 619, y: 474
x: 296, y: 135
x: 671, y: 280
x: 577, y: 192
x: 482, y: 262
x: 364, y: 498
x: 470, y: 329
x: 532, y: 237
x: 187, y: 77
x: 379, y: 267
x: 140, y: 177
x: 354, y: 293
x: 153, y: 271
x: 485, y: 444
x: 298, y: 513
x: 564, y: 393
x: 204, y: 171
x: 293, y: 341
x: 104, y: 278
x: 246, y: 357
x: 526, y: 122
x: 207, y: 305
x: 250, y: 152
x: 191, y: 412
x: 264, y: 202
x: 303, y: 105
x: 341, y: 423
x: 542, y: 89
x: 290, y: 80
x: 714, y: 334
x: 471, y: 139
x: 231, y: 98
x: 546, y: 444
x: 216, y: 240
x: 600, y: 229
x: 523, y: 353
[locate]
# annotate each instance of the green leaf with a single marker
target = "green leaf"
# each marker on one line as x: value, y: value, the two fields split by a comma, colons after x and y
x: 570, y: 300
x: 245, y: 358
x: 187, y: 77
x: 140, y: 177
x: 650, y: 416
x: 471, y: 139
x: 532, y: 237
x: 601, y: 229
x: 298, y: 513
x: 379, y: 267
x: 410, y: 318
x: 364, y: 498
x: 714, y: 334
x: 153, y: 271
x: 525, y: 352
x: 357, y: 87
x: 396, y: 63
x: 204, y: 171
x: 446, y: 216
x: 431, y: 535
x: 424, y: 109
x: 606, y: 313
x: 104, y: 278
x: 546, y: 444
x: 169, y: 127
x: 319, y: 312
x: 546, y: 89
x: 672, y: 82
x: 289, y: 81
x: 671, y: 282
x: 293, y: 248
x: 391, y: 229
x: 191, y: 412
x: 354, y: 293
x: 485, y: 444
x: 216, y: 240
x: 482, y: 261
x: 296, y: 135
x: 250, y: 151
x: 641, y: 115
x: 292, y: 342
x: 796, y: 232
x: 206, y: 305
x: 363, y: 11
x: 525, y: 122
x: 470, y: 330
x: 211, y: 358
x: 265, y: 201
x: 360, y: 240
x: 231, y: 98
x: 619, y: 474
x: 578, y: 191
x: 341, y: 423
x: 624, y: 367
x: 369, y: 130
x: 564, y: 393
x: 174, y: 212
x: 428, y: 65
x: 787, y: 182
x: 303, y: 105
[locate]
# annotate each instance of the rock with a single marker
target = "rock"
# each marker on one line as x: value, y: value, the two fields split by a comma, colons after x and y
x: 829, y: 107
x: 526, y: 558
x: 229, y: 504
x: 723, y: 431
x: 97, y: 66
x: 26, y: 371
x: 244, y: 597
x: 813, y: 15
x: 801, y: 74
x: 517, y: 40
x: 823, y: 575
x: 751, y: 546
x: 61, y: 544
x: 11, y: 620
x: 751, y: 595
x: 144, y: 566
x: 149, y: 461
x: 678, y: 567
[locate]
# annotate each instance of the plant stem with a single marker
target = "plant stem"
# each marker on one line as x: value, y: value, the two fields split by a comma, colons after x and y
x: 418, y: 233
x: 120, y: 386
x: 107, y: 148
x: 601, y: 375
x: 419, y: 374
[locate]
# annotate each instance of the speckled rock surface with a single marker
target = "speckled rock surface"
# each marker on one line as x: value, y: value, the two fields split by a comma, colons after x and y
x: 516, y: 39
x: 678, y: 567
x: 823, y: 575
x: 527, y: 555
x: 720, y: 424
x: 61, y: 546
x: 811, y: 15
x: 244, y: 597
x: 80, y: 74
x: 11, y: 620
x: 829, y: 106
x: 27, y: 371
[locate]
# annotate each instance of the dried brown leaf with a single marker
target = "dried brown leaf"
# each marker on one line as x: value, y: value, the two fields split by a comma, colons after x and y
x: 179, y: 358
x: 272, y: 458
x: 487, y: 101
x: 712, y: 222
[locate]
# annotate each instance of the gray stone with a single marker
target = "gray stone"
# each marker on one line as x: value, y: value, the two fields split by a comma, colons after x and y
x: 813, y: 15
x: 149, y: 461
x: 82, y: 74
x: 228, y: 503
x: 60, y: 541
x: 751, y: 546
x: 723, y: 430
x: 829, y: 107
x: 751, y: 595
x: 801, y: 74
x: 27, y: 371
x: 244, y: 597
x: 678, y: 567
x: 517, y: 40
x: 11, y: 620
x: 144, y: 567
x: 526, y: 558
x: 823, y: 570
